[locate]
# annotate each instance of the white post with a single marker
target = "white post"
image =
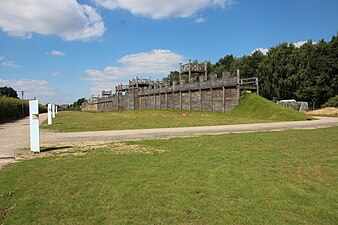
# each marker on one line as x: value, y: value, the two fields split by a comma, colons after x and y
x: 56, y: 109
x: 49, y: 114
x: 34, y: 125
x: 53, y: 111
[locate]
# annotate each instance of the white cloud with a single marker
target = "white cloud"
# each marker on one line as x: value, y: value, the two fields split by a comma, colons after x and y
x: 200, y: 20
x: 65, y: 18
x: 10, y: 63
x: 2, y: 58
x: 157, y: 9
x: 298, y: 44
x: 262, y: 50
x: 57, y: 53
x: 35, y: 88
x: 56, y: 74
x: 156, y: 63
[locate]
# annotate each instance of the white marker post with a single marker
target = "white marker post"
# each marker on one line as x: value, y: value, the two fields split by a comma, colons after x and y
x: 53, y: 111
x: 56, y: 109
x: 49, y: 114
x: 34, y: 125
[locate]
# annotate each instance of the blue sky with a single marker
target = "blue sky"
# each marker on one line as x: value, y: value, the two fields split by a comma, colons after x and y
x: 62, y: 50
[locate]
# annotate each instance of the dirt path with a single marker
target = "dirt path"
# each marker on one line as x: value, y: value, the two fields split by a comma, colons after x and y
x: 50, y: 137
x: 15, y: 136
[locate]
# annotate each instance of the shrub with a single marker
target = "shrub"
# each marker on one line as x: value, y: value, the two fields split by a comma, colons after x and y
x: 11, y: 108
x: 332, y: 102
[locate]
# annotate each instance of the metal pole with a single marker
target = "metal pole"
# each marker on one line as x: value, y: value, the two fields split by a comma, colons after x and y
x: 23, y: 110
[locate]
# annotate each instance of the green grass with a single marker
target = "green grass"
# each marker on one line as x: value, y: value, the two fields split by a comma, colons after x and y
x: 252, y: 109
x: 287, y: 177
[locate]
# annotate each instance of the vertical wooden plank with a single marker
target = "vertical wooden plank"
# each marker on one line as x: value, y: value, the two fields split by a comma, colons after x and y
x: 201, y: 99
x: 166, y: 100
x: 180, y: 72
x: 189, y: 100
x: 189, y: 70
x: 180, y: 100
x: 212, y: 100
x: 223, y: 99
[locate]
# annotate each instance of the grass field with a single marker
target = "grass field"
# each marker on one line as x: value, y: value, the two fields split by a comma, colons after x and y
x: 287, y: 177
x: 252, y: 109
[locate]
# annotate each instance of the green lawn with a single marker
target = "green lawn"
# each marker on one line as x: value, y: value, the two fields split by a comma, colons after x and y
x: 252, y: 109
x: 287, y: 177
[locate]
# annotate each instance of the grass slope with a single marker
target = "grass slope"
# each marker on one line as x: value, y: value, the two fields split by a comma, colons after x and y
x: 254, y: 106
x: 251, y: 109
x: 287, y: 177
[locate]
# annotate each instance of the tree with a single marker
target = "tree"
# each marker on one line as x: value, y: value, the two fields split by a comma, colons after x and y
x: 222, y: 65
x: 247, y: 65
x: 172, y: 76
x: 78, y: 103
x: 8, y: 91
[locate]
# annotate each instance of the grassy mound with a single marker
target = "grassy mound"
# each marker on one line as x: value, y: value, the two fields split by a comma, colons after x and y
x: 257, y: 107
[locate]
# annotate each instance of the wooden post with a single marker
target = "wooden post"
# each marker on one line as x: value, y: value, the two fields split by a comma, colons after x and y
x: 34, y: 125
x: 257, y: 85
x: 154, y: 101
x: 223, y: 99
x: 149, y: 102
x: 189, y: 70
x: 238, y: 87
x: 166, y: 100
x: 159, y: 96
x: 180, y: 100
x: 212, y: 100
x: 180, y: 72
x: 206, y: 70
x: 189, y: 100
x: 118, y: 101
x: 201, y: 99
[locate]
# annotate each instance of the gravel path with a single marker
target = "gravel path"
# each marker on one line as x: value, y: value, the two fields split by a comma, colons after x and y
x: 15, y: 135
x: 48, y: 137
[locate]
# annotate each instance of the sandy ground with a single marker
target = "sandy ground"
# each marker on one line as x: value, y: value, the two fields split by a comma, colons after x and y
x: 325, y: 111
x: 15, y: 135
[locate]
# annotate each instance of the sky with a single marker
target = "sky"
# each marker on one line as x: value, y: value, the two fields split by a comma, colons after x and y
x: 62, y: 50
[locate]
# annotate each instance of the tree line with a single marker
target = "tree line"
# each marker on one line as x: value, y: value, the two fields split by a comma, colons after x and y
x: 306, y: 73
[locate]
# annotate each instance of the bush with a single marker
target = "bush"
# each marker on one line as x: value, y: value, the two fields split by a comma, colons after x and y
x: 11, y: 108
x: 42, y: 108
x: 332, y: 102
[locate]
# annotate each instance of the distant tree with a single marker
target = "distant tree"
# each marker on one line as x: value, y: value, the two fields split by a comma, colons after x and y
x: 332, y: 102
x: 222, y: 65
x: 8, y: 91
x: 78, y: 103
x: 172, y: 76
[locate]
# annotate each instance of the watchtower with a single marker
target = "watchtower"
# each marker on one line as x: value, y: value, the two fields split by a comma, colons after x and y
x: 106, y: 94
x: 193, y: 70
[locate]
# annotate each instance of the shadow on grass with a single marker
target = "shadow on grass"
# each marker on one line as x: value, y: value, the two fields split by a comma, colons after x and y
x: 49, y: 149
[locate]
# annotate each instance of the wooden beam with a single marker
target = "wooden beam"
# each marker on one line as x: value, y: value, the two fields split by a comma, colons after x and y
x: 189, y: 100
x: 223, y: 99
x: 180, y: 100
x: 201, y: 98
x: 212, y: 100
